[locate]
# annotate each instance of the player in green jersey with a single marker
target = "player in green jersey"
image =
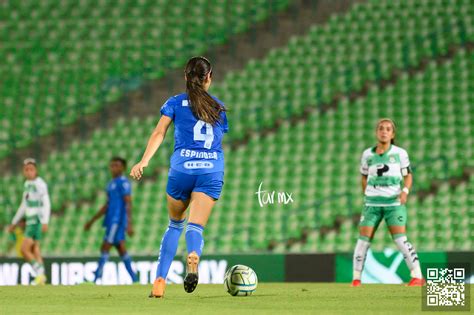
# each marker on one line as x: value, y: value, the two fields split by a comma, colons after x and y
x: 384, y: 168
x: 35, y: 208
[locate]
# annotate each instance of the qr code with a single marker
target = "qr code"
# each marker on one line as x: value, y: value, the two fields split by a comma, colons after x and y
x: 445, y: 287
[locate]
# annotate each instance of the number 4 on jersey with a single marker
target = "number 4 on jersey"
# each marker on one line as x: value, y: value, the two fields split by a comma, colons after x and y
x: 207, y: 137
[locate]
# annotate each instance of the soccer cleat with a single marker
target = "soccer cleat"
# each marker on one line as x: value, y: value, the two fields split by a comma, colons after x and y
x: 416, y: 282
x: 355, y: 283
x: 191, y: 279
x: 158, y: 290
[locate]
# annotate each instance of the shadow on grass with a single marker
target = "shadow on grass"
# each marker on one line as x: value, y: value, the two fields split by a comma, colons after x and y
x: 237, y: 297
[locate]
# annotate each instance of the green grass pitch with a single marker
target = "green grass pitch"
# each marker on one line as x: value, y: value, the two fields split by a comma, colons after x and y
x: 270, y: 298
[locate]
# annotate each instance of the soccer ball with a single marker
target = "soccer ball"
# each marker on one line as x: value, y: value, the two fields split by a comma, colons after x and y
x: 240, y: 280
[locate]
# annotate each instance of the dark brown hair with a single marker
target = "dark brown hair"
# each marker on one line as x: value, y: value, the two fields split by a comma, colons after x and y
x: 203, y: 106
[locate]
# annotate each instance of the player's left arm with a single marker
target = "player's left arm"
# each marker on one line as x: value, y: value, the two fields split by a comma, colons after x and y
x: 46, y: 210
x: 128, y: 206
x: 407, y: 183
x: 407, y: 177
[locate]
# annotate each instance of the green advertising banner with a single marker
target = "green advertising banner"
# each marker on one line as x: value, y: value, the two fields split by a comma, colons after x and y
x: 71, y: 271
x: 387, y: 266
x: 269, y: 268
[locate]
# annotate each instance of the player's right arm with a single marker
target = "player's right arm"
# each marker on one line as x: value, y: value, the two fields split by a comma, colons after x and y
x: 364, y: 183
x: 364, y: 171
x: 96, y: 216
x: 154, y: 143
x: 20, y: 213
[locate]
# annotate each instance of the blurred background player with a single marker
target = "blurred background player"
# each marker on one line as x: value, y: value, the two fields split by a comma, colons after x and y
x: 384, y: 168
x: 196, y: 175
x: 35, y: 208
x: 118, y: 217
x: 15, y: 239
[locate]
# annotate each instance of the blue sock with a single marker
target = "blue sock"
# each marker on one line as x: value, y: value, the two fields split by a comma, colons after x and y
x: 194, y: 239
x: 127, y: 260
x: 169, y: 245
x: 103, y: 259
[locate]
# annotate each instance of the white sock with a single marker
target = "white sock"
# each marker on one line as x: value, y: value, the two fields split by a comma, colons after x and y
x: 358, y: 261
x: 38, y: 268
x: 410, y: 256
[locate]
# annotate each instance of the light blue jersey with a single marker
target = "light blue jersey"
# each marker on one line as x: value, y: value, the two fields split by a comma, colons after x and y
x: 198, y: 145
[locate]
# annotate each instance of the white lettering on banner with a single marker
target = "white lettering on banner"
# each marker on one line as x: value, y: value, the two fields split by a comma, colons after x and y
x: 211, y: 271
x: 123, y: 276
x: 9, y: 274
x: 54, y: 274
x: 27, y: 273
x: 76, y: 273
x: 217, y: 270
x: 64, y: 273
x: 143, y: 268
x: 71, y: 273
x: 204, y: 275
x: 175, y: 273
x: 154, y: 265
x: 109, y: 277
x: 89, y: 270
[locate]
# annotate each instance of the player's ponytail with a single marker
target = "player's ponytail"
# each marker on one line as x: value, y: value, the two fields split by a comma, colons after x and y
x: 203, y: 106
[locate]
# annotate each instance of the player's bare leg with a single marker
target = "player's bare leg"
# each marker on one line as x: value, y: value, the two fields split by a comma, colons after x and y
x: 366, y: 233
x: 199, y: 211
x: 29, y: 253
x: 176, y: 212
x: 27, y: 249
x: 37, y: 252
x: 177, y: 208
x: 409, y: 254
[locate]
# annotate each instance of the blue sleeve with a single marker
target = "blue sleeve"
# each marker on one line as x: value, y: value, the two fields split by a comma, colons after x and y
x: 168, y: 108
x: 225, y: 125
x: 126, y: 188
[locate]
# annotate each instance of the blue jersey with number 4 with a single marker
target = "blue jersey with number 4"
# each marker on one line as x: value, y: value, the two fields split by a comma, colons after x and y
x: 198, y: 145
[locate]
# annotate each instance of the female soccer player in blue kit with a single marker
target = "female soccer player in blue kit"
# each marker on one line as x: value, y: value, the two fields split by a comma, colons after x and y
x: 196, y: 173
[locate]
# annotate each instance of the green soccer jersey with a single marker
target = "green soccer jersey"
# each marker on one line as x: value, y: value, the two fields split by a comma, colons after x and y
x: 384, y: 175
x: 35, y: 205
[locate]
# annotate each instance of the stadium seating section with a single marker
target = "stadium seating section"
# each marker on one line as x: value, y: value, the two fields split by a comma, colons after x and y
x: 315, y: 159
x: 60, y: 59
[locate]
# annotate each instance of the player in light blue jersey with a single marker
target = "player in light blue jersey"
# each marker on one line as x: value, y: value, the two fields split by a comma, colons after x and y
x: 196, y: 173
x: 118, y: 218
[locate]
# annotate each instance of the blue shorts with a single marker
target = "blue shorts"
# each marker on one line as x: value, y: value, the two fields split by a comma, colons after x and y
x: 114, y: 234
x: 181, y: 185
